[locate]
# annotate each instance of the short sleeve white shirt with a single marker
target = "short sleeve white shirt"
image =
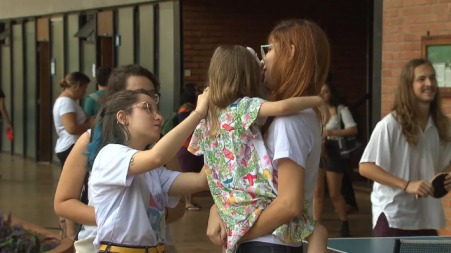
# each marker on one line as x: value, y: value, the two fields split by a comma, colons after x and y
x: 297, y: 137
x: 335, y: 124
x: 129, y: 209
x: 389, y: 150
x: 64, y: 105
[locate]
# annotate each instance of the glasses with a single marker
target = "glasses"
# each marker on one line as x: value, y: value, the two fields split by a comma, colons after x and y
x: 264, y: 49
x: 146, y: 105
x: 155, y: 96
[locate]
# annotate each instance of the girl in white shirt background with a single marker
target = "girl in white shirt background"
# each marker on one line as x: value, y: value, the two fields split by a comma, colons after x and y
x: 334, y: 168
x: 70, y: 122
x: 130, y: 203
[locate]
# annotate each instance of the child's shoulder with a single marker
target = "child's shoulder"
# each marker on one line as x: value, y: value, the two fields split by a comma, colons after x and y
x: 247, y: 102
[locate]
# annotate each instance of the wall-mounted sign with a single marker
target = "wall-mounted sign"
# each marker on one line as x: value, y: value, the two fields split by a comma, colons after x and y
x: 52, y: 67
x: 94, y: 70
x: 118, y: 40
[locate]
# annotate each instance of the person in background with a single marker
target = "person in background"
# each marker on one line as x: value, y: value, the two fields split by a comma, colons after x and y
x: 70, y: 122
x: 407, y: 148
x: 92, y: 101
x: 4, y: 112
x: 188, y: 161
x: 67, y: 196
x: 335, y: 167
x: 4, y: 116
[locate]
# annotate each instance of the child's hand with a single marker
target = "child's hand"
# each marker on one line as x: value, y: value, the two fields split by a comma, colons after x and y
x: 202, y: 103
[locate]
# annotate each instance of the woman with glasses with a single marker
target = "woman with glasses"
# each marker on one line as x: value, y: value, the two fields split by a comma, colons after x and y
x: 129, y: 187
x: 296, y: 64
x: 188, y: 161
x: 67, y: 197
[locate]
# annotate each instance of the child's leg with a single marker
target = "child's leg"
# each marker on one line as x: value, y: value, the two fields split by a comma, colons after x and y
x: 317, y: 241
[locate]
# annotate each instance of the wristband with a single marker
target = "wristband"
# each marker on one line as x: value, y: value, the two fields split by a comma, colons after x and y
x: 405, y: 188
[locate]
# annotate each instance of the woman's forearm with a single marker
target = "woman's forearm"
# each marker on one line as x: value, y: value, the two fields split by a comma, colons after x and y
x: 287, y: 205
x: 76, y: 211
x: 271, y: 218
x: 343, y: 132
x: 376, y: 173
x: 5, y: 116
x: 166, y: 148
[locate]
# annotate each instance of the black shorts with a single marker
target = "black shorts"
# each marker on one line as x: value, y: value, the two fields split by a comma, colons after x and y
x: 62, y: 156
x: 336, y: 162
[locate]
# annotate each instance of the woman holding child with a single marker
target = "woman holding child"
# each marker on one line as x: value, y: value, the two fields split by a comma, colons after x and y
x: 296, y: 65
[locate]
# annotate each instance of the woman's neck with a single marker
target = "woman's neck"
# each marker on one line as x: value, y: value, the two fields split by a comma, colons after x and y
x: 137, y: 143
x: 67, y: 93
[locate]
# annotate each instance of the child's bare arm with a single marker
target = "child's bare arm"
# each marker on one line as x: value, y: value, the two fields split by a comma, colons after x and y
x: 189, y: 183
x: 289, y: 106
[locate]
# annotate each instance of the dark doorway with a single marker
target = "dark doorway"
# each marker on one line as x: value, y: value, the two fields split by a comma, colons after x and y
x: 45, y: 103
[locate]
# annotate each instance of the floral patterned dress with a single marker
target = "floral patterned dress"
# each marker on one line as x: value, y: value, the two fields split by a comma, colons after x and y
x: 240, y: 174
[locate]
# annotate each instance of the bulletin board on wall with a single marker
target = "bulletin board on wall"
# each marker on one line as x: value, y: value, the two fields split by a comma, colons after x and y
x: 437, y: 49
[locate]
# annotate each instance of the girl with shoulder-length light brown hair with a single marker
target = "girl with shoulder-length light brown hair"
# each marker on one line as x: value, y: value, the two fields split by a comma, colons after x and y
x: 296, y: 65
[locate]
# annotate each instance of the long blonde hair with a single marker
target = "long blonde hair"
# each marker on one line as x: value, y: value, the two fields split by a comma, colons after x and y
x: 405, y: 109
x: 233, y: 73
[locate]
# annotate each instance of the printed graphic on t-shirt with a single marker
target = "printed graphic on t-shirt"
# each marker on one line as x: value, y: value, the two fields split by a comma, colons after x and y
x: 155, y: 212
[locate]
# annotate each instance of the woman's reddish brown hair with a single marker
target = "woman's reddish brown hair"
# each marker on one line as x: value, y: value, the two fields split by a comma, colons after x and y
x: 304, y: 72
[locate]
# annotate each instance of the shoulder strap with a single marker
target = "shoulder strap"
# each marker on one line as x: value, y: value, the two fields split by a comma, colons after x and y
x: 94, y: 96
x: 339, y: 116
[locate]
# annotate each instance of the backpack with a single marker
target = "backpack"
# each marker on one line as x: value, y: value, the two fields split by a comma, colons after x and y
x: 171, y: 122
x: 94, y: 96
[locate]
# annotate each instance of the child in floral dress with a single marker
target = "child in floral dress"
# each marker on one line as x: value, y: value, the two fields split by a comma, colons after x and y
x: 239, y: 170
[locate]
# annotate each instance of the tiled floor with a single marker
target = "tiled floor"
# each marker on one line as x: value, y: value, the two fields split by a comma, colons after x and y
x: 27, y: 189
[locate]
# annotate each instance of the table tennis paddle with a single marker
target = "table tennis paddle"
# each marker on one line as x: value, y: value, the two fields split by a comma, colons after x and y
x: 438, y: 183
x: 9, y: 134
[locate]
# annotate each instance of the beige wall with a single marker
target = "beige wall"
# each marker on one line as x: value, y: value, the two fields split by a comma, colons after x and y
x: 28, y: 8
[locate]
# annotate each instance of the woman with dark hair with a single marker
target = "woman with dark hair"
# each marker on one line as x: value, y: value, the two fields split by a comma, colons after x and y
x: 67, y: 202
x: 333, y: 169
x: 70, y: 122
x: 188, y: 161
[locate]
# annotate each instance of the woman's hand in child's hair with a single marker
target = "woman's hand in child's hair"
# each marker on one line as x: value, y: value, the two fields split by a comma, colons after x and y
x: 202, y: 103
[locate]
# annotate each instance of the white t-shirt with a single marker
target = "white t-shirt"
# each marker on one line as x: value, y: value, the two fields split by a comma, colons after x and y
x: 334, y: 124
x: 124, y: 203
x: 297, y: 137
x: 90, y: 231
x: 64, y: 105
x: 389, y: 150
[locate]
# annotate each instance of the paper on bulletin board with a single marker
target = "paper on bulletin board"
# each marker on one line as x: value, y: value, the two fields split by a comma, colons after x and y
x: 52, y: 67
x: 448, y: 77
x: 440, y: 73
